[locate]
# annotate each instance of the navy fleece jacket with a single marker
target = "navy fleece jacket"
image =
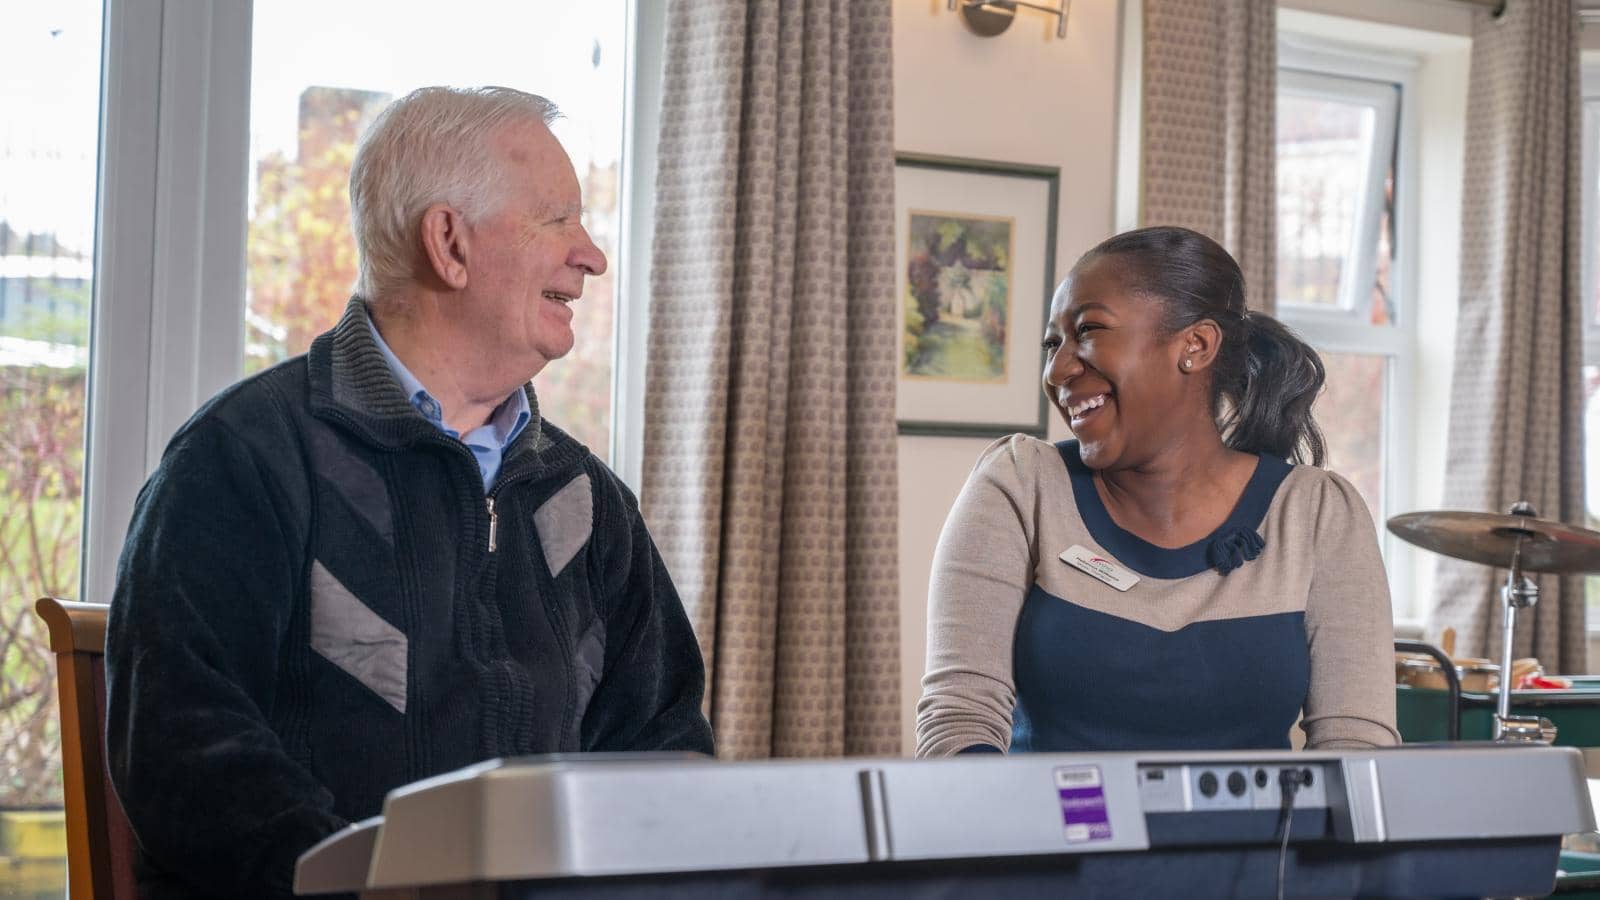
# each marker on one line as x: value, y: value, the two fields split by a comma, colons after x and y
x: 317, y: 603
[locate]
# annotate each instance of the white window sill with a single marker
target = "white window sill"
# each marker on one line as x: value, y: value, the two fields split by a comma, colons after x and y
x: 1408, y: 629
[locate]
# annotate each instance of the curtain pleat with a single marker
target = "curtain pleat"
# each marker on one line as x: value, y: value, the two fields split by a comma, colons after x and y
x: 1208, y: 145
x: 1516, y: 409
x: 769, y: 472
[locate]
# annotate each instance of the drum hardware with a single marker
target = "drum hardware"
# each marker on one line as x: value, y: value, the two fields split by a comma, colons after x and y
x: 1447, y: 670
x: 1531, y: 544
x: 1524, y: 729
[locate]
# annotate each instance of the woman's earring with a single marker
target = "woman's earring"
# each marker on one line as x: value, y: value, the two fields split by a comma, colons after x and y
x: 1188, y: 364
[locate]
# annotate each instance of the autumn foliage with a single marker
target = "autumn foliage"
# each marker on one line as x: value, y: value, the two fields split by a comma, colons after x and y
x: 41, y: 483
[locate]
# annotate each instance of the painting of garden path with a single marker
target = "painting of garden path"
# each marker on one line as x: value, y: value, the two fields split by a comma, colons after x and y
x: 957, y: 297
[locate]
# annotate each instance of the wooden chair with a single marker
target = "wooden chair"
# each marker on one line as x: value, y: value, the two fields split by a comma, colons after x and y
x: 100, y: 843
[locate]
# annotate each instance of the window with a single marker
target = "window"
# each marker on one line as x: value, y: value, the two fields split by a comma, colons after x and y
x: 49, y: 135
x: 1336, y: 145
x: 196, y: 199
x: 1338, y: 284
x: 312, y: 92
x: 1336, y: 150
x: 1591, y: 321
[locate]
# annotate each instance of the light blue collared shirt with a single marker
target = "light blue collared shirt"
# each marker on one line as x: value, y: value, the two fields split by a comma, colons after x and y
x: 488, y: 442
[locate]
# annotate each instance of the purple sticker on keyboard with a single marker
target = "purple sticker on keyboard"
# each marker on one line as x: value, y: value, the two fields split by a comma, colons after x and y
x: 1083, y: 803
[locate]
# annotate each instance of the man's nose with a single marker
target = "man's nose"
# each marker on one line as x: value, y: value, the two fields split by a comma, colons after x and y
x: 586, y: 256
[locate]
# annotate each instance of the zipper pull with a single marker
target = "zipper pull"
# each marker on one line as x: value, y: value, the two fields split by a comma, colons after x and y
x: 494, y: 522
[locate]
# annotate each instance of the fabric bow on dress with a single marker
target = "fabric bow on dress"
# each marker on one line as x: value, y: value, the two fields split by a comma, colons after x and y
x: 1233, y: 548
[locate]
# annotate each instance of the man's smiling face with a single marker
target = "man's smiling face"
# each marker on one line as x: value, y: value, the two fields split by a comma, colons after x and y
x: 531, y: 255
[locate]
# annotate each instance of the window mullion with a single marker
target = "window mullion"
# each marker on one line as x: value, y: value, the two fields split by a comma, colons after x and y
x: 1350, y: 337
x: 170, y: 271
x: 641, y: 133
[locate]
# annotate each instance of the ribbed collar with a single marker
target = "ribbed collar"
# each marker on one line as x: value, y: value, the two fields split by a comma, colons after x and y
x: 504, y: 424
x: 352, y: 383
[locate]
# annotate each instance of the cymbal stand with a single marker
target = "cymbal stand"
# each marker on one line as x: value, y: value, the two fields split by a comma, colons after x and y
x: 1519, y: 592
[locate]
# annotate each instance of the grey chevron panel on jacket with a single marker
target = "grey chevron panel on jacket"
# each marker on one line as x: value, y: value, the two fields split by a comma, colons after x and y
x: 355, y: 479
x: 565, y: 522
x: 353, y: 637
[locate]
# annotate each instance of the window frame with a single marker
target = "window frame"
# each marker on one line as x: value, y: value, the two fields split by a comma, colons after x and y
x: 1360, y: 261
x: 165, y: 323
x: 1589, y: 266
x: 1324, y: 64
x: 1589, y: 194
x: 641, y: 135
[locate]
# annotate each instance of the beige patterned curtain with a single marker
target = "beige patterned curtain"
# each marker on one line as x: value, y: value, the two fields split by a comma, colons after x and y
x: 770, y: 468
x: 1516, y: 416
x: 1208, y: 147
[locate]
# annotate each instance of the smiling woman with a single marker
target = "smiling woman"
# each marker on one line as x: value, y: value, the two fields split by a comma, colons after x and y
x: 1171, y: 579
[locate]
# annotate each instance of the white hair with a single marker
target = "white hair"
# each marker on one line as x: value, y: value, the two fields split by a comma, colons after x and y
x: 430, y: 146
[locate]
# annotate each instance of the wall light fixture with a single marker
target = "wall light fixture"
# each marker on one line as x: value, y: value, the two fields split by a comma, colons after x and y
x: 987, y: 18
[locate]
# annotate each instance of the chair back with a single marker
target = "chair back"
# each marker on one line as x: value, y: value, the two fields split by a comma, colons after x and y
x: 100, y: 843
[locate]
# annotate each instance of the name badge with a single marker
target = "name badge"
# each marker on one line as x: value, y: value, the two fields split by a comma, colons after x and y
x: 1084, y: 560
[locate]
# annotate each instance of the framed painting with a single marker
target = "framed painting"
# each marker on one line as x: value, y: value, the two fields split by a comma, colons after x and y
x: 975, y: 256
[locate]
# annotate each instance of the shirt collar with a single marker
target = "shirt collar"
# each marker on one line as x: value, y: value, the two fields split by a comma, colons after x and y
x: 508, y: 420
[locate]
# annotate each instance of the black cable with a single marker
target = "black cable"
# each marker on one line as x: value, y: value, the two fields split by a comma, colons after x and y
x: 1289, y: 782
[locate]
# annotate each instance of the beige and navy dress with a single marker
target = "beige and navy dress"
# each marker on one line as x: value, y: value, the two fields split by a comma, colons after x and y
x: 1050, y: 628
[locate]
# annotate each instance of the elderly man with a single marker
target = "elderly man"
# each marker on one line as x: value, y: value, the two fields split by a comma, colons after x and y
x: 375, y: 562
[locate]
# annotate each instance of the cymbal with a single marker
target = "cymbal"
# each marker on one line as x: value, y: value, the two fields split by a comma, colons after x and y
x: 1547, y: 545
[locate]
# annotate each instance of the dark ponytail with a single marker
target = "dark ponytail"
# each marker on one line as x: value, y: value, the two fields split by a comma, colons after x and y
x: 1264, y: 379
x: 1269, y: 401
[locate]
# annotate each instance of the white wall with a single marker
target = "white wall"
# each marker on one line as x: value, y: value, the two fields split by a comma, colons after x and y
x: 1024, y: 96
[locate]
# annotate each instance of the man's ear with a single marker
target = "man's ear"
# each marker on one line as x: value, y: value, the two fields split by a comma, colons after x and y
x: 445, y: 245
x: 1202, y: 341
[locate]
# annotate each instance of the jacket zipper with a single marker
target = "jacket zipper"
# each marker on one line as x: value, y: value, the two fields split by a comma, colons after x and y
x: 488, y: 500
x: 494, y: 522
x: 488, y: 503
